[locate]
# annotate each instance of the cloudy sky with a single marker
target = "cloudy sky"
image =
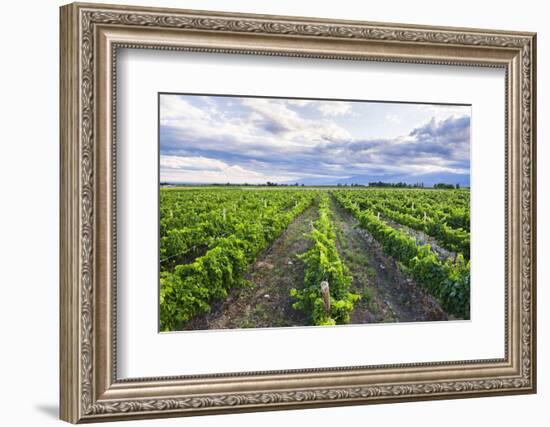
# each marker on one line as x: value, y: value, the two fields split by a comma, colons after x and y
x: 219, y: 139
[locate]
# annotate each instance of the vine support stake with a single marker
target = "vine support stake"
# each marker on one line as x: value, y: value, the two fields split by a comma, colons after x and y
x: 325, y: 292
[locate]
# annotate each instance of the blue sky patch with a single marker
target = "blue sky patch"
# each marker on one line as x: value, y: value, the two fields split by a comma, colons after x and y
x: 220, y: 139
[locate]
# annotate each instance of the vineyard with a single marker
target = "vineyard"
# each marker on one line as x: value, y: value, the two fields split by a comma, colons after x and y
x: 240, y: 257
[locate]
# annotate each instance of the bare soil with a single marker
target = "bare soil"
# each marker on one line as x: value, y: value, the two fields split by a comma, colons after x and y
x: 388, y: 295
x: 266, y: 301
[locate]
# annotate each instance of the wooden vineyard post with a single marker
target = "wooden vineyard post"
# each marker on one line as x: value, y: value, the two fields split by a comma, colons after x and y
x: 325, y: 292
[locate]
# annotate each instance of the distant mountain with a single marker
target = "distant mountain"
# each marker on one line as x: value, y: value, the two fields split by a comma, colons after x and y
x: 429, y: 179
x: 314, y: 181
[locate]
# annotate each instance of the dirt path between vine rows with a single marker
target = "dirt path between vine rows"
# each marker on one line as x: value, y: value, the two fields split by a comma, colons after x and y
x: 388, y: 295
x: 266, y: 302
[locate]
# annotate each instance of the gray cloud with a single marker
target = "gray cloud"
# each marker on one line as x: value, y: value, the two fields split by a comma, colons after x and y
x: 273, y: 139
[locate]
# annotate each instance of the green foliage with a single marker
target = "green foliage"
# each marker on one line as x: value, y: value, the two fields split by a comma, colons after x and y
x: 208, y: 238
x: 323, y: 263
x: 447, y: 281
x: 421, y: 210
x: 233, y: 227
x: 443, y: 186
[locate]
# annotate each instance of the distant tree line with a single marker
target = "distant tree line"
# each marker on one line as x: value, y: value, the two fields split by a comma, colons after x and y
x: 439, y: 186
x: 274, y: 184
x: 396, y: 184
x: 442, y: 186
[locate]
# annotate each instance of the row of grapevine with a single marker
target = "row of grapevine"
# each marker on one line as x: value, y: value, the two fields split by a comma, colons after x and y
x: 323, y: 265
x: 449, y: 207
x: 194, y: 221
x: 447, y: 281
x: 454, y: 239
x: 188, y: 289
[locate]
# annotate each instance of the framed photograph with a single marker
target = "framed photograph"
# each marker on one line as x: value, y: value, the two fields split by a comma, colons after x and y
x: 267, y: 212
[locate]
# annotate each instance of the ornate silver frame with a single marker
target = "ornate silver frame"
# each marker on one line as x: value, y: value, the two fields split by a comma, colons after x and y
x: 90, y: 36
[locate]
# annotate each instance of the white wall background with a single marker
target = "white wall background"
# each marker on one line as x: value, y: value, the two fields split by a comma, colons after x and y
x: 29, y: 170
